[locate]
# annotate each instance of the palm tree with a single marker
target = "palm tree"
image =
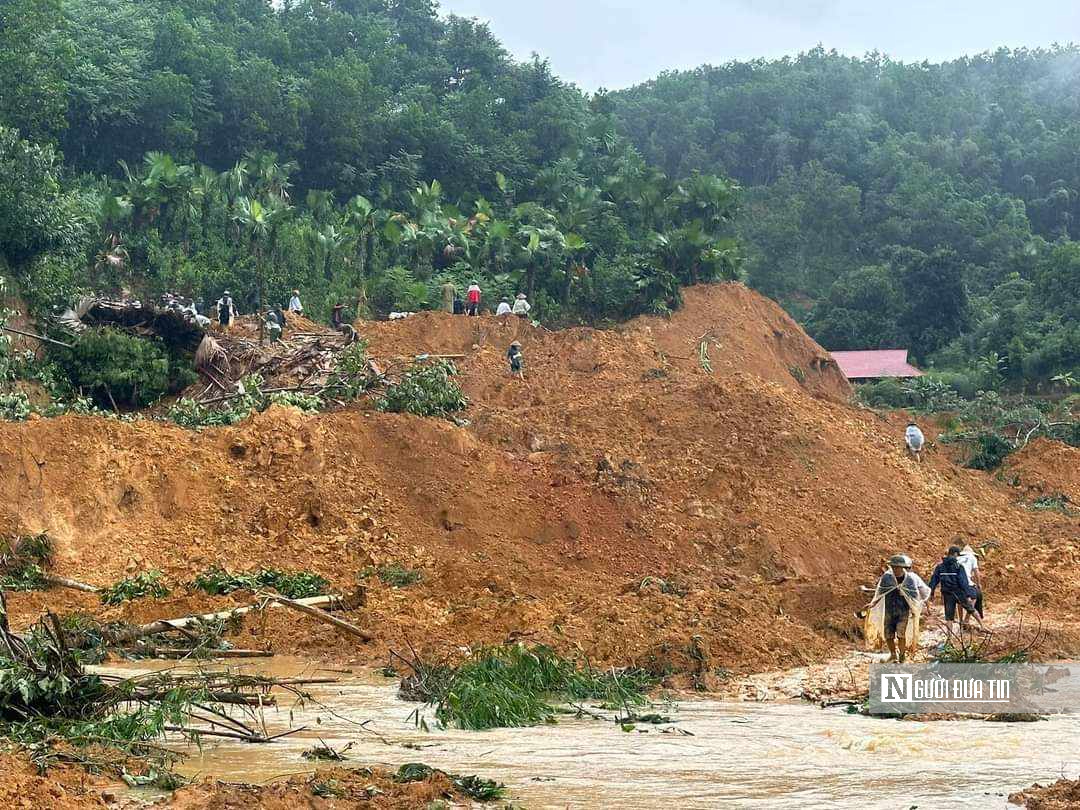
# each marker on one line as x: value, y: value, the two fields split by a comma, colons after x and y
x: 260, y: 222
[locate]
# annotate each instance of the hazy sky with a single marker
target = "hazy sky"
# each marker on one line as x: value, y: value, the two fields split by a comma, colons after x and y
x: 617, y: 43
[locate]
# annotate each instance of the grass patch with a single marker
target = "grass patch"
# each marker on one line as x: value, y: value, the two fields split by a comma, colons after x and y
x: 394, y: 575
x: 290, y: 584
x: 497, y: 687
x: 476, y: 788
x: 1052, y: 503
x: 148, y: 583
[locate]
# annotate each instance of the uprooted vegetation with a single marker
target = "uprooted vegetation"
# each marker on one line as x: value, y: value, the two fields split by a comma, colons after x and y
x: 293, y: 584
x: 141, y: 585
x: 22, y: 563
x: 393, y: 574
x: 61, y: 712
x: 497, y: 687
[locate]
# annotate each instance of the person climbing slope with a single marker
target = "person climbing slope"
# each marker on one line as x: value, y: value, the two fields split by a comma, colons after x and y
x: 503, y: 308
x: 472, y: 299
x: 517, y: 360
x: 956, y: 590
x: 915, y: 441
x: 894, y: 613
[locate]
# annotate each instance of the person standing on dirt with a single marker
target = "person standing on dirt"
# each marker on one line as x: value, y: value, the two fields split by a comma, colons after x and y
x: 273, y: 326
x: 503, y: 308
x: 517, y: 360
x: 900, y: 594
x: 449, y: 293
x: 521, y: 305
x: 294, y: 303
x: 956, y: 590
x: 915, y: 441
x: 970, y: 562
x: 336, y: 317
x: 472, y: 299
x: 226, y: 309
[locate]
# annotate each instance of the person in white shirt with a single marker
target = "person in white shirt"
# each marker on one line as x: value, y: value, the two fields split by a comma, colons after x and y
x: 521, y: 305
x: 503, y: 308
x: 970, y: 563
x: 915, y: 441
x: 294, y: 303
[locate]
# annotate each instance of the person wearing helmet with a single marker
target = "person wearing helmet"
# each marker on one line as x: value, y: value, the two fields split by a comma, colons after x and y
x: 517, y: 360
x: 902, y: 591
x: 294, y: 303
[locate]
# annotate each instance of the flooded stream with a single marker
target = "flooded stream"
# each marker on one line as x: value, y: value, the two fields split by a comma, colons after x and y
x: 776, y: 755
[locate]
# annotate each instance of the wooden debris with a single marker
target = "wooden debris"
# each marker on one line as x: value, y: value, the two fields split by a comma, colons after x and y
x: 322, y: 616
x: 329, y: 602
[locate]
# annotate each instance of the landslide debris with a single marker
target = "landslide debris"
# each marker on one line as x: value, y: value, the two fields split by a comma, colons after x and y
x: 622, y: 457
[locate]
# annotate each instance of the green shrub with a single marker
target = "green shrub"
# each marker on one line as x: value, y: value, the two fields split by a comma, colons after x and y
x: 116, y: 368
x: 426, y: 390
x: 148, y: 583
x: 292, y: 585
x: 394, y: 575
x: 15, y: 406
x: 352, y: 373
x: 988, y: 450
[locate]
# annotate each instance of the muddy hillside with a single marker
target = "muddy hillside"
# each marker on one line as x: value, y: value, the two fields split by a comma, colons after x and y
x: 693, y: 494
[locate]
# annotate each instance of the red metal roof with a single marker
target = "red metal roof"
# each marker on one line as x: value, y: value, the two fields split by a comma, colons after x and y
x: 883, y: 363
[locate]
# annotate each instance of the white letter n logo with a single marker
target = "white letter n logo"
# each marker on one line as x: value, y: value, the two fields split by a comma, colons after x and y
x: 896, y: 688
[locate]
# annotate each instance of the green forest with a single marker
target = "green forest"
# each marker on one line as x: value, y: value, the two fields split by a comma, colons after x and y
x: 368, y: 151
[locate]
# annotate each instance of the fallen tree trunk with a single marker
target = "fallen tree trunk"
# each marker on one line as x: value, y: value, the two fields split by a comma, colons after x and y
x: 330, y: 602
x: 180, y: 652
x: 322, y: 616
x: 64, y: 582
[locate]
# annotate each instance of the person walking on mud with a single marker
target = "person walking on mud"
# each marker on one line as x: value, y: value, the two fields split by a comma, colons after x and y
x: 970, y: 562
x: 896, y: 608
x: 956, y: 590
x: 915, y: 441
x: 517, y: 360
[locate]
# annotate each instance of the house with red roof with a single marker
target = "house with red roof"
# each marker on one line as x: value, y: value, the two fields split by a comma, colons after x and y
x: 875, y: 365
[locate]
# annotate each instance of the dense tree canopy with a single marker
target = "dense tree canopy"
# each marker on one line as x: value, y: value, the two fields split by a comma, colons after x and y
x: 368, y: 151
x: 858, y: 173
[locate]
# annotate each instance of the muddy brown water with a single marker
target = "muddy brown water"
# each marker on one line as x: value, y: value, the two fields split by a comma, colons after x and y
x: 740, y: 755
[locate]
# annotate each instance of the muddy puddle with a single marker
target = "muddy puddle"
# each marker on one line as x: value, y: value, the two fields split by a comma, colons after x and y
x: 777, y: 755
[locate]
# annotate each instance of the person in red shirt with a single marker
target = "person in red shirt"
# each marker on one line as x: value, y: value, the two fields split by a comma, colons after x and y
x: 472, y: 299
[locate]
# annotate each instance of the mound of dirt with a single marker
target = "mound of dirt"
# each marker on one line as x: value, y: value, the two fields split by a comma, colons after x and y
x: 1047, y: 468
x: 1062, y: 795
x: 746, y: 485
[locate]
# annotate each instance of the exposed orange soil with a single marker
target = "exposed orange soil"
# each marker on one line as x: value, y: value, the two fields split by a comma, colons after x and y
x: 1047, y: 468
x: 756, y: 487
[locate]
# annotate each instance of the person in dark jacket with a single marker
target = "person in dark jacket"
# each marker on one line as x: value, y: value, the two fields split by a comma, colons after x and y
x: 517, y: 360
x: 956, y: 589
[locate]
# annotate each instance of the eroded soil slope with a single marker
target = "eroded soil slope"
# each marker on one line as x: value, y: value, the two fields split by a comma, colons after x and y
x: 753, y: 489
